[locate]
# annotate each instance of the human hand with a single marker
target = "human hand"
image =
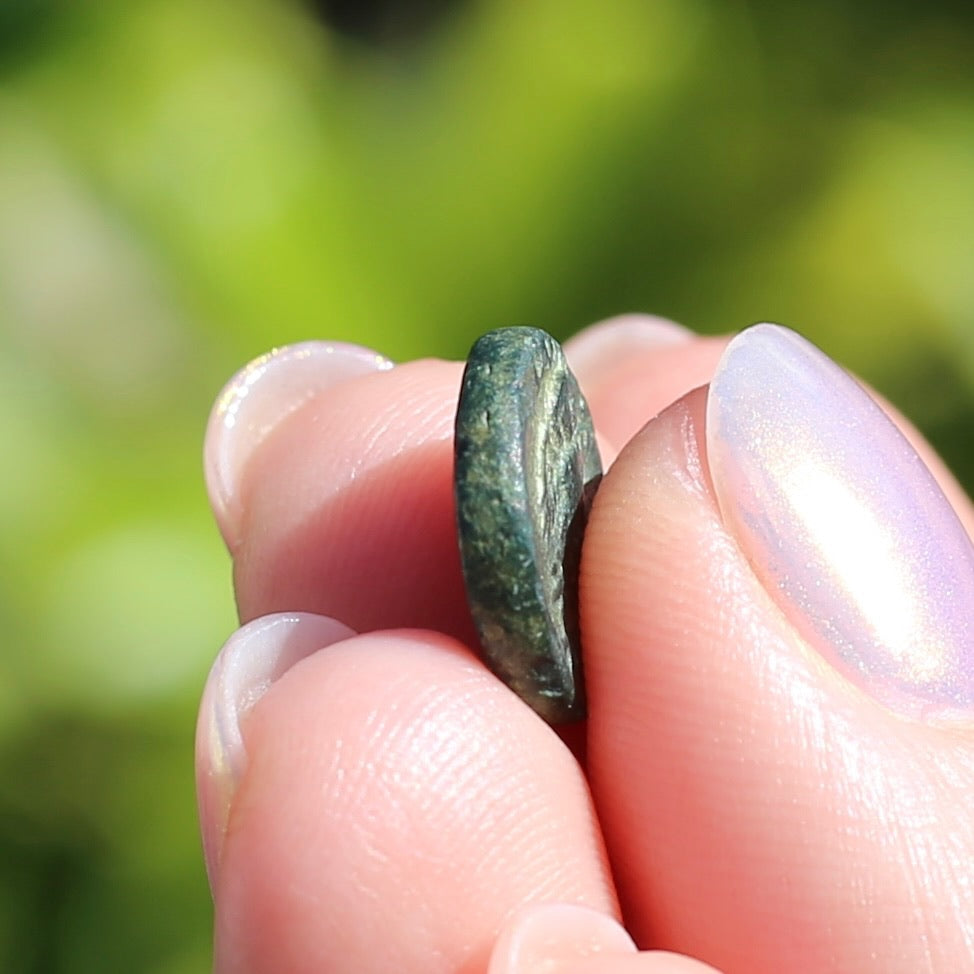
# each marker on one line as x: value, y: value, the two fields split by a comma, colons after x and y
x: 763, y: 784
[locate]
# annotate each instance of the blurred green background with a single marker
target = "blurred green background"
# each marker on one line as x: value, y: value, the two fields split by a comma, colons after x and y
x: 186, y: 183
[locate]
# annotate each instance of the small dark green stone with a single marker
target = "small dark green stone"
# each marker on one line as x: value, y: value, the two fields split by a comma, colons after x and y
x: 527, y: 467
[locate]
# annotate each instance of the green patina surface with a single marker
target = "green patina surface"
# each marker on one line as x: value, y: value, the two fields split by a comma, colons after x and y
x: 526, y: 470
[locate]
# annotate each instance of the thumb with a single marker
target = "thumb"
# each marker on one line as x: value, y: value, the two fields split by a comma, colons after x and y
x: 778, y: 616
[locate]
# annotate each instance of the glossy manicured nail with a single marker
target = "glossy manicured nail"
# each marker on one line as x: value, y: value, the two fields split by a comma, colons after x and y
x: 843, y: 523
x: 253, y: 658
x: 550, y: 937
x: 598, y: 350
x: 257, y: 398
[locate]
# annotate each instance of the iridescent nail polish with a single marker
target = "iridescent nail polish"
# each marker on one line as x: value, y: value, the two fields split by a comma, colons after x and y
x: 842, y: 522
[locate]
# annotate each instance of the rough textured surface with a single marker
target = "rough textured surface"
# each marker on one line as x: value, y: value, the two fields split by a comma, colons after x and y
x: 526, y: 469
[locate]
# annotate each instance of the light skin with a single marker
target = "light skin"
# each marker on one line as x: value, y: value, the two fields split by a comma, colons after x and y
x: 373, y: 799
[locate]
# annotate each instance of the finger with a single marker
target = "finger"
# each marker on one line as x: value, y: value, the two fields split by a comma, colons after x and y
x: 394, y: 806
x: 775, y: 789
x: 340, y: 489
x: 562, y: 939
x: 256, y: 399
x: 252, y: 659
x: 347, y: 506
x: 633, y: 366
x: 342, y: 502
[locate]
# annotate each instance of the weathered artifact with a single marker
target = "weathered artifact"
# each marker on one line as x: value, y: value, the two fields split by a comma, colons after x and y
x: 526, y: 470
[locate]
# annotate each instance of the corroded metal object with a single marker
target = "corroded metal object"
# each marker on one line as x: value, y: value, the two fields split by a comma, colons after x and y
x: 526, y: 471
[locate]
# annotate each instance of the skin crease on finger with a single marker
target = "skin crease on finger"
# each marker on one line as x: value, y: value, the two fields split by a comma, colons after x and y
x: 761, y: 813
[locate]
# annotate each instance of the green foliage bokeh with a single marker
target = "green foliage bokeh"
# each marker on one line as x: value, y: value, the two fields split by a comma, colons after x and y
x: 187, y: 183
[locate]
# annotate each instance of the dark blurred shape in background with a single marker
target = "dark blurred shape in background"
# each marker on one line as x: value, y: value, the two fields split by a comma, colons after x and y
x: 186, y: 183
x: 383, y: 22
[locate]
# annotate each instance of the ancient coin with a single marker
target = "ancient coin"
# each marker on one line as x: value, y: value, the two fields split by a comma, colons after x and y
x: 526, y: 470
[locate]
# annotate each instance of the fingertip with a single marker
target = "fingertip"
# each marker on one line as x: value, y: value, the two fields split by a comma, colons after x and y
x: 554, y: 936
x: 738, y: 775
x: 559, y: 938
x: 843, y: 523
x: 350, y: 509
x: 633, y: 366
x: 598, y: 349
x: 399, y: 802
x: 258, y: 398
x: 254, y: 657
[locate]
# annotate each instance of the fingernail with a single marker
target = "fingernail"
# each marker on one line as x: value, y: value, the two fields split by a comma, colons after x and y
x: 545, y: 939
x: 257, y: 398
x: 599, y: 349
x: 843, y: 523
x: 254, y: 657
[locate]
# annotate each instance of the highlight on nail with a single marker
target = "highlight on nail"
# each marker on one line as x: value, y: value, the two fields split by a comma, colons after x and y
x: 843, y: 523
